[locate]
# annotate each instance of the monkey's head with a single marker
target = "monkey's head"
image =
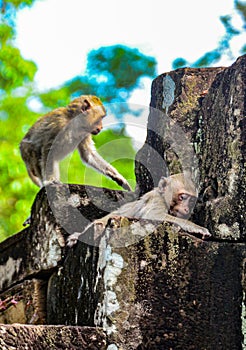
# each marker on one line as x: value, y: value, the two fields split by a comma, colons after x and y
x: 90, y: 111
x: 179, y: 194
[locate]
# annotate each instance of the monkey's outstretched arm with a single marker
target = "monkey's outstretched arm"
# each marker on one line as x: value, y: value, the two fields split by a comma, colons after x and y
x: 90, y: 156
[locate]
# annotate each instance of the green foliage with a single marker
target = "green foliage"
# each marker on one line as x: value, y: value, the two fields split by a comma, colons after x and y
x: 224, y: 46
x: 112, y: 73
x: 241, y: 8
x: 16, y: 190
x: 243, y: 50
x: 58, y: 98
x: 14, y: 70
x: 179, y: 63
x: 16, y: 3
x: 108, y: 63
x: 208, y: 59
x: 6, y: 32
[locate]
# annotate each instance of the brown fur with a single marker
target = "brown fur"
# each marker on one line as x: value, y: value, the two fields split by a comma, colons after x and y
x: 58, y: 133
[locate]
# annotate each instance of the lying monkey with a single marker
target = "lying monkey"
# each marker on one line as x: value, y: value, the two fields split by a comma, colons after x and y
x: 172, y: 201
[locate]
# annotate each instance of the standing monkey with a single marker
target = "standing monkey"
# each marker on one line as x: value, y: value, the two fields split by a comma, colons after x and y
x: 58, y: 133
x: 172, y: 201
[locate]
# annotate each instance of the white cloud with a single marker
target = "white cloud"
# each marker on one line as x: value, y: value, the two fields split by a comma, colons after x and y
x: 58, y: 34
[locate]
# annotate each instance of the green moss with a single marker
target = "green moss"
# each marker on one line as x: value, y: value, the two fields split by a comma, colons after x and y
x: 191, y: 100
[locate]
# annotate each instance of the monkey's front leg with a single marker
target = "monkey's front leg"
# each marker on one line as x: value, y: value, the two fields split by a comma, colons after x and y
x: 90, y: 156
x: 108, y: 170
x: 188, y: 226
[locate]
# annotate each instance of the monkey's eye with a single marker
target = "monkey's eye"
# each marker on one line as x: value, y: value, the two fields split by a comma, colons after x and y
x: 183, y: 197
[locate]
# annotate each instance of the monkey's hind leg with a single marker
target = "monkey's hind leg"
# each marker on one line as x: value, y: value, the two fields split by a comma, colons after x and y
x: 74, y: 237
x: 51, y: 173
x: 98, y: 226
x: 37, y: 182
x: 35, y: 178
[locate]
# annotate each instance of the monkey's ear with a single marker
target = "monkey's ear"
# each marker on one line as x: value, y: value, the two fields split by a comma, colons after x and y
x: 162, y: 184
x: 85, y: 106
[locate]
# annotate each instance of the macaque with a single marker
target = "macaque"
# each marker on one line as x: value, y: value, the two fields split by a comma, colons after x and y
x: 172, y: 201
x: 58, y: 133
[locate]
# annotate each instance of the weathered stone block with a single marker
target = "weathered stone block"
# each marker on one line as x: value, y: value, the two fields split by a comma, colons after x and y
x: 22, y: 337
x: 28, y: 253
x: 71, y: 296
x: 57, y: 211
x: 24, y: 303
x: 171, y: 291
x: 148, y: 286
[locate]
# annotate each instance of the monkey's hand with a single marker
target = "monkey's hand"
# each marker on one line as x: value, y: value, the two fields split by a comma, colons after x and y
x: 199, y: 229
x: 126, y: 186
x: 205, y: 233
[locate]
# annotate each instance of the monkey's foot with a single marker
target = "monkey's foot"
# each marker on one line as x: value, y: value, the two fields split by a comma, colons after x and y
x: 112, y: 222
x: 100, y: 224
x: 27, y: 221
x: 53, y: 182
x: 73, y: 239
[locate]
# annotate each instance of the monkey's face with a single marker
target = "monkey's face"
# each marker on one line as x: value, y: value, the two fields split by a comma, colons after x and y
x: 179, y: 194
x: 90, y: 112
x: 182, y: 205
x: 94, y: 116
